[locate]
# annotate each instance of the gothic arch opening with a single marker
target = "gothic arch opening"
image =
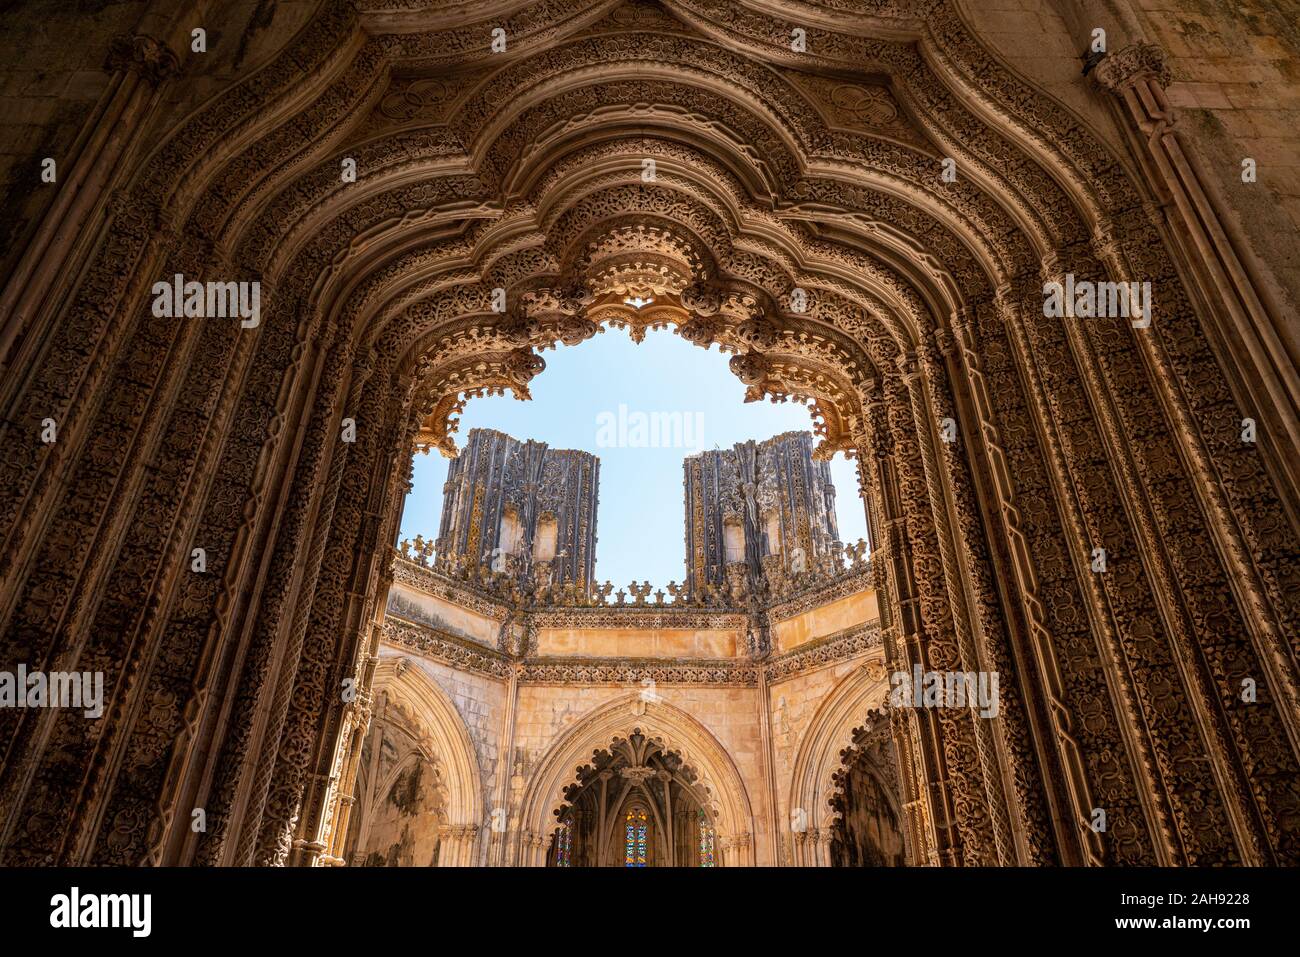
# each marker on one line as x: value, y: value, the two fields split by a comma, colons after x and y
x: 849, y: 804
x: 868, y: 826
x: 630, y: 422
x: 636, y: 753
x: 401, y: 820
x: 635, y: 805
x: 416, y: 798
x: 1067, y: 504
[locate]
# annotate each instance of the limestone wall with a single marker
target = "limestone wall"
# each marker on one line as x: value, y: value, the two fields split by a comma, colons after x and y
x: 692, y: 684
x: 414, y: 605
x: 643, y: 642
x: 1235, y: 68
x: 481, y: 703
x: 825, y: 620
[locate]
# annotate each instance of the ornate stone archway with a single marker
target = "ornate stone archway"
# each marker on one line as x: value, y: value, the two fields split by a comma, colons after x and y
x: 774, y: 174
x: 444, y: 743
x: 636, y: 804
x: 727, y: 800
x: 867, y: 817
x: 808, y: 817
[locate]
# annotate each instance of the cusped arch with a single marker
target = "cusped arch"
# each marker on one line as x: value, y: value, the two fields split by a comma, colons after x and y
x: 829, y: 733
x: 728, y: 798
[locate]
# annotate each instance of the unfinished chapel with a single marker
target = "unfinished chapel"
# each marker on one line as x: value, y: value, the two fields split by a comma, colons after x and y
x: 1032, y: 266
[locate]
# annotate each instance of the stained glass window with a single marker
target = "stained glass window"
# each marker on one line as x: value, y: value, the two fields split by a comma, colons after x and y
x: 706, y: 841
x: 564, y: 844
x: 634, y: 855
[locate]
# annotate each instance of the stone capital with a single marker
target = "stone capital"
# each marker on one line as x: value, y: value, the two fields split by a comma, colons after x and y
x: 142, y: 54
x: 1127, y: 67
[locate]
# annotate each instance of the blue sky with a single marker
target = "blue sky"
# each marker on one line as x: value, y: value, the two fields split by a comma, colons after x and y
x: 575, y: 405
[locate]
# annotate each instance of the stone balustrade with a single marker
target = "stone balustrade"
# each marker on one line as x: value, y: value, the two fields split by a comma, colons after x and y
x: 521, y: 582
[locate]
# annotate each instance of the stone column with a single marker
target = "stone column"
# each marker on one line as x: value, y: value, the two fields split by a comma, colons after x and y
x: 536, y: 846
x: 1256, y: 330
x: 824, y: 837
x: 1095, y: 628
x: 500, y: 812
x: 458, y: 845
x: 744, y: 855
x: 798, y: 840
x: 1235, y: 542
x: 932, y: 411
x: 769, y: 765
x: 899, y: 606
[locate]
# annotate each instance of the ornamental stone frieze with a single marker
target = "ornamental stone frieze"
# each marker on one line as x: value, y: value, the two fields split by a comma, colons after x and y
x: 447, y: 648
x: 639, y: 673
x: 463, y: 653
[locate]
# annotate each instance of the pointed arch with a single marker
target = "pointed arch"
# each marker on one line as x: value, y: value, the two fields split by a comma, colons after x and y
x: 445, y: 740
x: 728, y: 800
x: 829, y: 732
x: 934, y: 285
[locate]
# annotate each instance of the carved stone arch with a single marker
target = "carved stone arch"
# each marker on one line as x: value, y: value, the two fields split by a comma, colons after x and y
x: 868, y: 820
x: 676, y: 730
x: 893, y: 796
x: 780, y: 371
x: 682, y: 64
x: 819, y: 756
x: 446, y: 741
